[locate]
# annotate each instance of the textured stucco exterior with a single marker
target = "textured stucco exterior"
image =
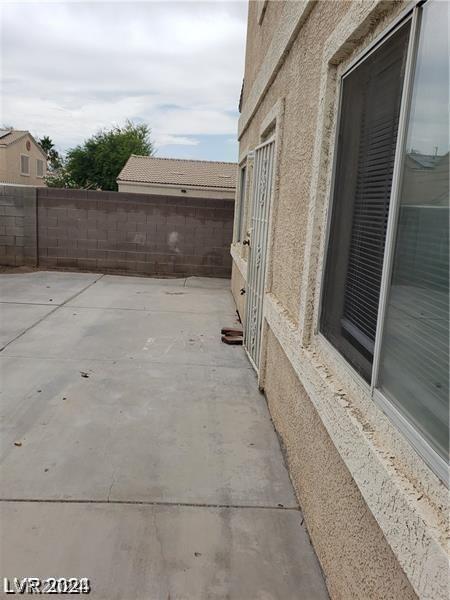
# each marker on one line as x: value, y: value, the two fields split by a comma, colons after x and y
x: 181, y: 191
x: 354, y: 555
x: 377, y: 515
x: 10, y: 162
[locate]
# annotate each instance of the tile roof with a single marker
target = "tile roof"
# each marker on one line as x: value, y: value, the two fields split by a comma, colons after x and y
x: 175, y: 171
x: 8, y: 136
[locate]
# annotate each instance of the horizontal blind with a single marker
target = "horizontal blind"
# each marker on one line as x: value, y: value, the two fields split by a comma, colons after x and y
x: 376, y: 157
x: 370, y: 110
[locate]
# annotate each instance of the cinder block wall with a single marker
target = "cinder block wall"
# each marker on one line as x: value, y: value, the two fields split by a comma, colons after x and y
x: 136, y: 233
x: 17, y: 225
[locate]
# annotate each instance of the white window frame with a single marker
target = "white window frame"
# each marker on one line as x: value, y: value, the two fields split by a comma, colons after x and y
x: 239, y: 235
x: 28, y: 158
x: 40, y: 160
x: 437, y: 464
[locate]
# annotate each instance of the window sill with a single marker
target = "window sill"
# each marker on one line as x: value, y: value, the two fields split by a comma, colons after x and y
x: 239, y: 260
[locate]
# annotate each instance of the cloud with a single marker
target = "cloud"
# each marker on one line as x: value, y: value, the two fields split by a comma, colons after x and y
x: 81, y: 66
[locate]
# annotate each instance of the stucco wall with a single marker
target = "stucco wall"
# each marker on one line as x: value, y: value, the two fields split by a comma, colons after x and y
x: 356, y: 559
x: 259, y: 38
x: 378, y: 516
x: 10, y: 163
x: 165, y: 190
x: 238, y: 284
x: 298, y: 82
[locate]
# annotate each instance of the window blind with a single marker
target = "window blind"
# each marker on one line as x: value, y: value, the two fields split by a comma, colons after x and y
x: 370, y: 109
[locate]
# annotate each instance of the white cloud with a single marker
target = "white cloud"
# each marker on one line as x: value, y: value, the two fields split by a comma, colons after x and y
x: 82, y: 66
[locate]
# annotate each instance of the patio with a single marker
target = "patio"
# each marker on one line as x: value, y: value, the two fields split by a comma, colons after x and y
x: 136, y: 449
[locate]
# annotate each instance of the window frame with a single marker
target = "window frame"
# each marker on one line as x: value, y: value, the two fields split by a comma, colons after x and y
x: 436, y: 463
x: 22, y: 172
x: 40, y: 160
x: 241, y: 197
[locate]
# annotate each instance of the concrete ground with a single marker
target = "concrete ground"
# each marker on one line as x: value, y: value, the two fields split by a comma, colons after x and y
x: 136, y: 449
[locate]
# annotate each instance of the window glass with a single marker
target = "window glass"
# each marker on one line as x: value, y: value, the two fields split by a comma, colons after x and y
x: 370, y: 108
x: 241, y: 207
x: 414, y: 361
x: 40, y: 168
x: 24, y: 165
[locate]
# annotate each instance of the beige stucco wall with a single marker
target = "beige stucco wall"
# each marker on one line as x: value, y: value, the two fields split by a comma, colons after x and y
x: 237, y: 284
x: 354, y: 555
x: 377, y: 515
x: 10, y: 163
x: 259, y: 37
x: 298, y: 82
x: 166, y: 190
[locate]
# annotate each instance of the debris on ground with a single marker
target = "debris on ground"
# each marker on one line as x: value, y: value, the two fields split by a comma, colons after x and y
x: 17, y: 444
x: 233, y: 337
x: 230, y: 331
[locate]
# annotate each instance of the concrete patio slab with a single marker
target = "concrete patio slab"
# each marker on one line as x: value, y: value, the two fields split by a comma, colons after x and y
x: 137, y: 451
x: 166, y: 337
x: 208, y: 283
x: 43, y: 287
x: 138, y: 432
x: 17, y: 318
x: 159, y: 552
x: 142, y: 294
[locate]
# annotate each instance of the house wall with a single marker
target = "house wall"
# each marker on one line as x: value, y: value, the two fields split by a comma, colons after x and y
x: 376, y: 513
x: 165, y: 190
x: 116, y: 232
x: 10, y: 163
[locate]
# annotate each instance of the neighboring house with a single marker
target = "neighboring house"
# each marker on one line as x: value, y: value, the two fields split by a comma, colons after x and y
x: 22, y: 160
x: 341, y: 246
x: 177, y: 177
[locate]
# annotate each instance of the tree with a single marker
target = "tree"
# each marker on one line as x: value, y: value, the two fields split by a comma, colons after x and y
x: 98, y: 161
x: 54, y: 161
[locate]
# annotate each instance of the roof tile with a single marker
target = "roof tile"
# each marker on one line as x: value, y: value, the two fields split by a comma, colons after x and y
x: 175, y: 171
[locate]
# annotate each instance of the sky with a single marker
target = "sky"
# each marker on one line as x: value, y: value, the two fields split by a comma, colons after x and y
x: 69, y: 68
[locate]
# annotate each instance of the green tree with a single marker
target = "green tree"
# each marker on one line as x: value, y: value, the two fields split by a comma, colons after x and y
x: 53, y: 158
x: 97, y: 162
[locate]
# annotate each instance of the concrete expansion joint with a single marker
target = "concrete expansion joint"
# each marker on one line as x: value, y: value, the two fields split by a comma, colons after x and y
x: 51, y: 312
x: 185, y: 312
x: 135, y: 361
x: 150, y: 503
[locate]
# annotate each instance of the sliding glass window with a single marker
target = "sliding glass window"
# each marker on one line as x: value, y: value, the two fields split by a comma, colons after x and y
x: 370, y: 110
x: 414, y: 365
x: 385, y: 303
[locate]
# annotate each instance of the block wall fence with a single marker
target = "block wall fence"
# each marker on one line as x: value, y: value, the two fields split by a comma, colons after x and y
x: 115, y: 232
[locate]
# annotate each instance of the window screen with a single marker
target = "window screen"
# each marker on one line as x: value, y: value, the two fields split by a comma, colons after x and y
x: 40, y: 168
x: 370, y: 108
x: 24, y: 164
